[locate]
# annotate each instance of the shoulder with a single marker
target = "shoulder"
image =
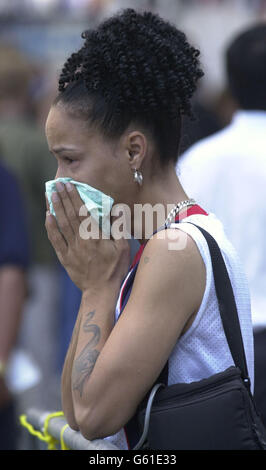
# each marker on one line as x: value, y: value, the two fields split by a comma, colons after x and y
x: 173, y: 247
x: 171, y: 267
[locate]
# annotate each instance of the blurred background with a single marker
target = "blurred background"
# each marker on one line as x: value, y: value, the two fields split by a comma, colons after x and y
x: 36, y: 36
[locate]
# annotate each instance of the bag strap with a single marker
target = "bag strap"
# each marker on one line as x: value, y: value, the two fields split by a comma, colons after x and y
x: 227, y: 305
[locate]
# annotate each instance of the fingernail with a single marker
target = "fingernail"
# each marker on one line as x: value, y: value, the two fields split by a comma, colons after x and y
x: 55, y: 197
x: 60, y: 187
x: 69, y: 186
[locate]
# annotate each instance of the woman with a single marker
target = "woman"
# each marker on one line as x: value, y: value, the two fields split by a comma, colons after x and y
x: 115, y: 125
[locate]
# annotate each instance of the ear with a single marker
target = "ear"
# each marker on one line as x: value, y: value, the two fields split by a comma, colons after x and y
x: 136, y: 148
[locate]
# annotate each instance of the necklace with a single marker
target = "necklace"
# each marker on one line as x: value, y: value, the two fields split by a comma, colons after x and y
x: 177, y: 208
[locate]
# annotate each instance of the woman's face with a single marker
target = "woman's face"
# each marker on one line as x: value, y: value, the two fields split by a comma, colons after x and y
x: 85, y: 156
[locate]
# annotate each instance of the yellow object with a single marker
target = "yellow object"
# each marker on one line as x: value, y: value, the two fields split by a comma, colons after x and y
x: 45, y: 436
x: 63, y: 445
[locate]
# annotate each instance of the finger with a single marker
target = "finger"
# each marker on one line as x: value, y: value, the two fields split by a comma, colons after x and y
x: 76, y: 200
x: 61, y: 218
x: 89, y: 228
x: 54, y: 235
x: 82, y: 212
x: 87, y: 224
x: 68, y: 207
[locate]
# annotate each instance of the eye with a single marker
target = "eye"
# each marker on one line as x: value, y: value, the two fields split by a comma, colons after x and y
x: 68, y: 160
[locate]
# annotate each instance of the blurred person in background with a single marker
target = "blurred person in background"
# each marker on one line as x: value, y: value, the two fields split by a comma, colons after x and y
x: 24, y: 146
x: 226, y: 173
x: 25, y: 153
x: 14, y: 262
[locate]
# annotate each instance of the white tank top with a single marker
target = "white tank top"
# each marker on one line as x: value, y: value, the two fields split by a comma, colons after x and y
x: 203, y: 350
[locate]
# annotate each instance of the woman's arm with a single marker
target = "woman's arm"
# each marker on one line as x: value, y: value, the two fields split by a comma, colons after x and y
x: 66, y: 387
x: 167, y: 292
x: 93, y: 326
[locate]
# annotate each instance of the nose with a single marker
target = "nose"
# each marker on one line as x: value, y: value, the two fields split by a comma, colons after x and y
x: 58, y: 175
x: 61, y: 174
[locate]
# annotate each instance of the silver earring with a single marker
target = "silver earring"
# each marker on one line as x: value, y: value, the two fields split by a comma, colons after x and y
x: 138, y: 176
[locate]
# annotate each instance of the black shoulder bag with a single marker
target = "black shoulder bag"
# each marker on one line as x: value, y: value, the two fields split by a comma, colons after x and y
x: 217, y: 413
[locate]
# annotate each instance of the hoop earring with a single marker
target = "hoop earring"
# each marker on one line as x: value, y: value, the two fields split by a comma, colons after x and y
x: 138, y: 178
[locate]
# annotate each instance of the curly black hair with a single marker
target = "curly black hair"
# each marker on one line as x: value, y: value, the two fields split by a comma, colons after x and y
x: 134, y: 67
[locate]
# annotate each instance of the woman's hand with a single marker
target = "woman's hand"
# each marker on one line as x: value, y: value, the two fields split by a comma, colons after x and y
x: 90, y: 263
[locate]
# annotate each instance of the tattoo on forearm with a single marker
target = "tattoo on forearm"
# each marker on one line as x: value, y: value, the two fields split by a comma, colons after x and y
x: 85, y: 362
x: 89, y: 316
x: 83, y: 368
x: 146, y: 259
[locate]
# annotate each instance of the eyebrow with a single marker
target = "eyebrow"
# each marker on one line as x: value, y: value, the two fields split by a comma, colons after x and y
x: 64, y: 149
